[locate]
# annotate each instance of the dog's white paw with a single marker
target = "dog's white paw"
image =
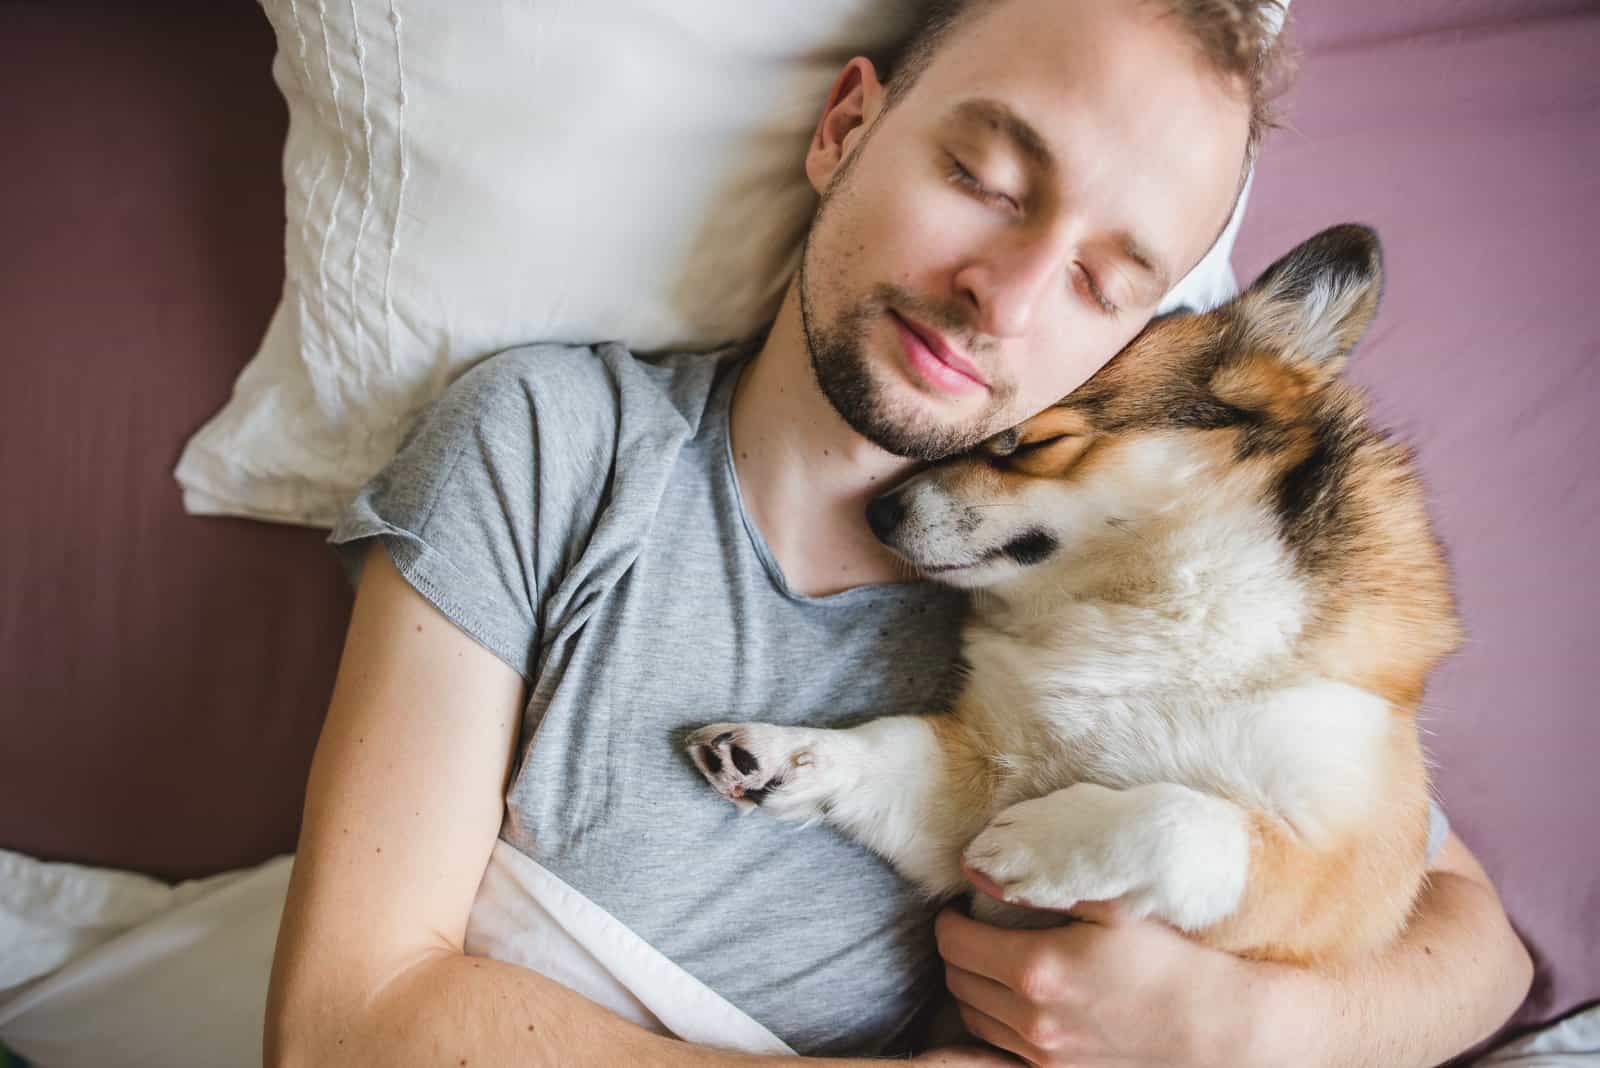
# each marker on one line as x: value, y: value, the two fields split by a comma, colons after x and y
x: 1051, y: 854
x: 1164, y: 850
x: 761, y: 764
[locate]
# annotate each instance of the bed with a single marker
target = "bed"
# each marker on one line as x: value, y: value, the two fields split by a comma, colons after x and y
x: 165, y: 675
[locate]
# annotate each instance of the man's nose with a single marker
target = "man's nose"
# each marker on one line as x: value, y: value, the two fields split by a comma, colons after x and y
x: 1009, y: 284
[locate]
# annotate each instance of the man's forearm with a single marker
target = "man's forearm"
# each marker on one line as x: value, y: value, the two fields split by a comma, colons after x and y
x: 455, y: 1009
x: 1456, y: 974
x: 452, y: 1009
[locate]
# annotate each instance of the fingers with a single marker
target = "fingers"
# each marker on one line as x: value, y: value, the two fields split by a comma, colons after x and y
x: 994, y: 952
x: 1004, y: 954
x: 998, y: 1034
x: 1040, y: 1029
x: 988, y: 997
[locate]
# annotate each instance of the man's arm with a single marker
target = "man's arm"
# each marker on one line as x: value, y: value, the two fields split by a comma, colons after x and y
x: 402, y: 811
x: 1138, y: 992
x: 1457, y: 973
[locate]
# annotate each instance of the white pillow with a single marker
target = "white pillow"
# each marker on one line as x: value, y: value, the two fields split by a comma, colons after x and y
x: 470, y: 176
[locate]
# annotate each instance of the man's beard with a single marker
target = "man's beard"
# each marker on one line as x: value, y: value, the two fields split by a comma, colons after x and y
x: 844, y: 373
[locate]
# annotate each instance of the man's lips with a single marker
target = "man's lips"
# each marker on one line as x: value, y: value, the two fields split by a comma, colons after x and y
x: 942, y: 350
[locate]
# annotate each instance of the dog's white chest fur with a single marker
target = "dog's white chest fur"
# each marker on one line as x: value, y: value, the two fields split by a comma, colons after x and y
x: 1124, y: 684
x: 1114, y: 736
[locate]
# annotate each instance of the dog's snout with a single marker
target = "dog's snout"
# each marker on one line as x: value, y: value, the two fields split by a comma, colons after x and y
x: 885, y: 513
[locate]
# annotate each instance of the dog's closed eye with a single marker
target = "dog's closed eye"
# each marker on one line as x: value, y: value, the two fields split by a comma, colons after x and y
x: 1012, y: 442
x: 1004, y: 443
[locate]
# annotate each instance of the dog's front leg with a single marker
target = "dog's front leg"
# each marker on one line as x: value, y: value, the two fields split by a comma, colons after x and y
x: 887, y: 783
x: 1167, y: 850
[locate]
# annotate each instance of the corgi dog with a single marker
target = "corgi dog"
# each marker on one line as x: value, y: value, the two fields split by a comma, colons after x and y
x: 1206, y: 598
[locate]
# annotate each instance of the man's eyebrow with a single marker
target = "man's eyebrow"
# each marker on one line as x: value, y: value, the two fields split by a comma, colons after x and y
x: 1139, y: 253
x: 999, y: 117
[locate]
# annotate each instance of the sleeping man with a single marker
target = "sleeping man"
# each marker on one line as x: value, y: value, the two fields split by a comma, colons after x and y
x: 579, y: 553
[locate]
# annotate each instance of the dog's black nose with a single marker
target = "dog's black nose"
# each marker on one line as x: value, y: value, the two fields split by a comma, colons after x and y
x: 884, y: 514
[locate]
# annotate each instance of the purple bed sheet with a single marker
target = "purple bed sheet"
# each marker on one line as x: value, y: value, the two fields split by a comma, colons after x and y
x: 162, y: 678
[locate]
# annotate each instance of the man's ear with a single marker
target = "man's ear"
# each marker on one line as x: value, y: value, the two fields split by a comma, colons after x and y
x: 853, y: 104
x: 1315, y: 303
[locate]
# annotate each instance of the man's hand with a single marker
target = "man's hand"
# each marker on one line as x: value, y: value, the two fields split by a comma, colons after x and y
x: 1106, y: 990
x: 1112, y: 989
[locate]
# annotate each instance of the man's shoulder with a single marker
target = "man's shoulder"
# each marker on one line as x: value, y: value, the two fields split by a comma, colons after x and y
x: 546, y: 369
x: 589, y: 385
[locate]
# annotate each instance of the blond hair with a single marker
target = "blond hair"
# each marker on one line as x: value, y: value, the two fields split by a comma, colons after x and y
x: 1242, y: 40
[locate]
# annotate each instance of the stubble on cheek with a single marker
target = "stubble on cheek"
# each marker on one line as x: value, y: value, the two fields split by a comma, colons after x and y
x: 861, y: 384
x: 844, y: 306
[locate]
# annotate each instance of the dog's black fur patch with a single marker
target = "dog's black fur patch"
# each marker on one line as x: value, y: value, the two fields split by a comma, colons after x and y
x: 1030, y: 548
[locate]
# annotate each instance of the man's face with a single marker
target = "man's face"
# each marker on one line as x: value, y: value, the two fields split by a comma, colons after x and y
x: 1018, y: 214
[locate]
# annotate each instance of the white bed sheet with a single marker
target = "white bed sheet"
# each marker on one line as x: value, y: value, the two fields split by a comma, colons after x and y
x: 101, y: 967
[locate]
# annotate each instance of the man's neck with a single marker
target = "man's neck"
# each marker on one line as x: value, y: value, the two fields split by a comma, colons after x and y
x: 805, y: 475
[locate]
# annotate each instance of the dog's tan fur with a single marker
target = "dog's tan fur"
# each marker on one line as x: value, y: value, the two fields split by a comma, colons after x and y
x: 1355, y: 610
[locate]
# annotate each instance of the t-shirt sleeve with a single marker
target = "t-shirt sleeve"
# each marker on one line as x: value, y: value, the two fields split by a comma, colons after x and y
x: 462, y: 507
x: 1438, y: 829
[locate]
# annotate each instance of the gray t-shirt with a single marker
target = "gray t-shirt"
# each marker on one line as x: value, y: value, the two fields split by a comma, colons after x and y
x: 575, y: 510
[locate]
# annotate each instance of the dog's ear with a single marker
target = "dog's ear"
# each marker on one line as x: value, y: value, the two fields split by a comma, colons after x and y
x: 1044, y: 446
x: 1314, y: 304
